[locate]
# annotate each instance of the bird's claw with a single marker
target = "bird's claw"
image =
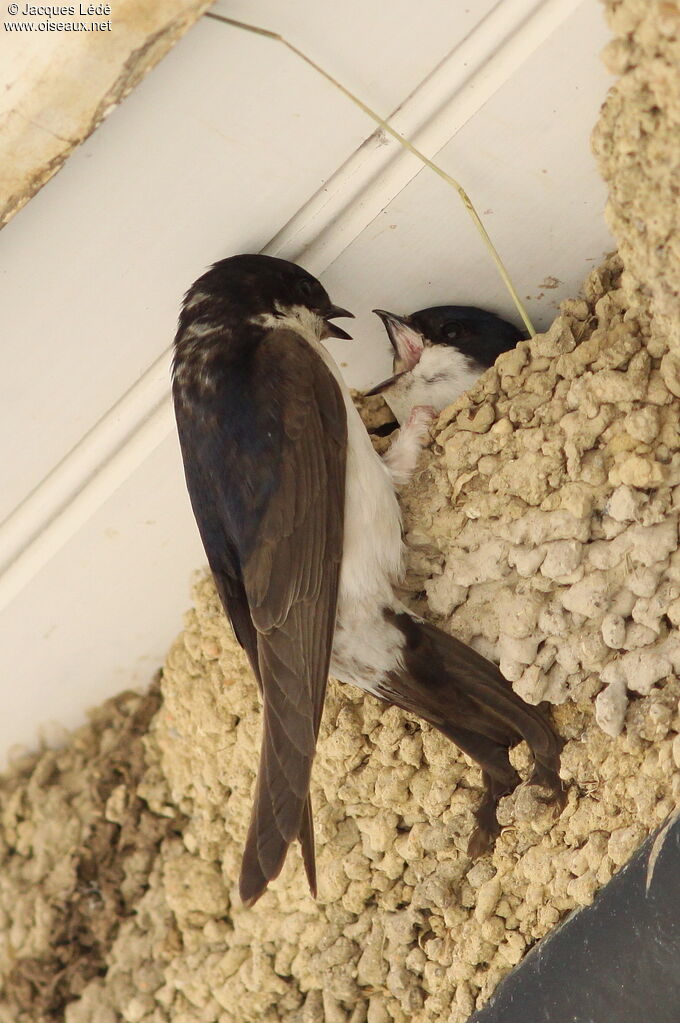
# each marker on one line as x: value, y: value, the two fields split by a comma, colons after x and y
x: 421, y: 417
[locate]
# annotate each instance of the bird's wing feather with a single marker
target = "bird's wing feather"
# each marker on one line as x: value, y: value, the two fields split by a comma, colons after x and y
x: 274, y: 530
x: 219, y: 547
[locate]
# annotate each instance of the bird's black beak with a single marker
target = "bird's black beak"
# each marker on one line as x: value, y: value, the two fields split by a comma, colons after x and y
x: 406, y: 341
x: 379, y: 388
x: 332, y: 329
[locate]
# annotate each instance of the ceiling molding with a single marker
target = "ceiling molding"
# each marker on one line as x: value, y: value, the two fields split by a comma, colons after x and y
x: 430, y: 117
x: 80, y: 484
x: 321, y: 230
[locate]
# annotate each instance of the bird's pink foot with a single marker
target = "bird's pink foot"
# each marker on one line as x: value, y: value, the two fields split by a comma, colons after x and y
x: 402, y: 457
x: 421, y: 418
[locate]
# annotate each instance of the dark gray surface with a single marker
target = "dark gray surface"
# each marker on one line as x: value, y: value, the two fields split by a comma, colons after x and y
x: 617, y: 961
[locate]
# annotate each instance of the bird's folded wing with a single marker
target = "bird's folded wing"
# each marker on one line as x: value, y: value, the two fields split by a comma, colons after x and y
x: 264, y: 447
x: 291, y: 582
x: 264, y: 458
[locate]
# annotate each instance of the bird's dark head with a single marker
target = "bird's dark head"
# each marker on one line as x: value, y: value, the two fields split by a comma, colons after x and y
x: 476, y: 333
x: 264, y: 291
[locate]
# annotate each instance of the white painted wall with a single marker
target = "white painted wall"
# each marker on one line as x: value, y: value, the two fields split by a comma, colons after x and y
x: 232, y: 144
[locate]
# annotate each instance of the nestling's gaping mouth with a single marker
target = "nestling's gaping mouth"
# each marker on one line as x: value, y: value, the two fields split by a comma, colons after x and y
x: 332, y: 329
x: 407, y: 342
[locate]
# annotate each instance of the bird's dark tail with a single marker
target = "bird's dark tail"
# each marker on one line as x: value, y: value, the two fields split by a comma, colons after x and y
x: 281, y: 812
x: 465, y: 697
x: 306, y: 837
x: 256, y: 874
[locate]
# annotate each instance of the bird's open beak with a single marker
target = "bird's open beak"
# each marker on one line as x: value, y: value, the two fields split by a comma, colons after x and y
x: 332, y: 329
x: 406, y: 341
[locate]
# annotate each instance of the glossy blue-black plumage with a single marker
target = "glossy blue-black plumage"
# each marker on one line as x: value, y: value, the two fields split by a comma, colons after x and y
x: 477, y: 333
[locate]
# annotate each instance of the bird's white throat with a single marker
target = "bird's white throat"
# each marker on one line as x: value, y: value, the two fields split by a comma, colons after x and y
x: 441, y: 374
x: 295, y: 317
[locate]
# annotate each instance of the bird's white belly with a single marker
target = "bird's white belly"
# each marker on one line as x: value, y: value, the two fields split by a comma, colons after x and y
x: 366, y: 646
x: 372, y: 550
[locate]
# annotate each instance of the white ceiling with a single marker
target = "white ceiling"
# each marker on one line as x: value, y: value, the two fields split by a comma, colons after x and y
x: 233, y: 144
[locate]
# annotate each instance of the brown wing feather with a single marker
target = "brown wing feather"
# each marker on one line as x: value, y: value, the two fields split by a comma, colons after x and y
x: 291, y: 581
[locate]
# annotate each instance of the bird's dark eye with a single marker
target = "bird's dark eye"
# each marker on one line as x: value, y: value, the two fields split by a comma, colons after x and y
x: 305, y: 287
x: 451, y: 330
